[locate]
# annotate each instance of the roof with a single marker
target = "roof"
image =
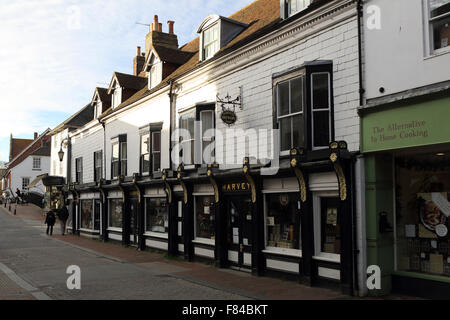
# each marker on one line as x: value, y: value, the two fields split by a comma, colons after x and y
x: 79, y: 119
x: 41, y: 142
x: 261, y: 16
x: 172, y: 56
x: 129, y: 81
x: 45, y: 151
x: 103, y: 95
x: 18, y: 145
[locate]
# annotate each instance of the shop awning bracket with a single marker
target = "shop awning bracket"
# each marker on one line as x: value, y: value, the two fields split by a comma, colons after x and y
x: 168, y: 187
x: 249, y: 178
x: 214, y: 184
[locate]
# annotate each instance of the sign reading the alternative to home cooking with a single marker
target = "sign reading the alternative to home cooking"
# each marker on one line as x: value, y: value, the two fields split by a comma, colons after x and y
x: 415, y: 125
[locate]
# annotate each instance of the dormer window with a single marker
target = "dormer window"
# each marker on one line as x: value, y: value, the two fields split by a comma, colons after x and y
x: 291, y: 7
x: 155, y: 70
x: 215, y: 33
x: 117, y: 96
x: 295, y: 6
x: 211, y: 41
x: 98, y: 109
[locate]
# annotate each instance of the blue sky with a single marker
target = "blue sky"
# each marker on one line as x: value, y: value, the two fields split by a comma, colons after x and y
x: 54, y: 53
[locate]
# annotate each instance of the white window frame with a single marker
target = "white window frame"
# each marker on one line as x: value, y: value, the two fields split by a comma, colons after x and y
x: 117, y: 96
x: 155, y: 74
x: 209, y: 44
x: 153, y: 152
x: 320, y: 110
x: 317, y: 209
x: 207, y: 139
x: 25, y: 184
x: 37, y: 163
x: 98, y: 109
x: 109, y: 215
x: 98, y: 165
x: 282, y: 251
x: 115, y: 142
x: 429, y: 33
x: 290, y: 115
x: 80, y: 171
x: 303, y: 4
x: 187, y: 115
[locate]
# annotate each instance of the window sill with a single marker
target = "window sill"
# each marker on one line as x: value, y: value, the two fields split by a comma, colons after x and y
x: 208, y: 242
x: 284, y: 252
x: 164, y: 236
x: 438, y: 53
x: 328, y: 258
x: 115, y: 229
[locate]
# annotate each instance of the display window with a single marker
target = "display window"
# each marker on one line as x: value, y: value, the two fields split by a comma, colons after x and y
x: 205, y: 216
x: 86, y: 215
x: 283, y: 221
x: 156, y: 215
x: 422, y: 214
x: 115, y: 213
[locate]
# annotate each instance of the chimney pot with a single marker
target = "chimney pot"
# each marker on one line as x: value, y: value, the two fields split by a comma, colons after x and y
x: 171, y: 23
x: 138, y: 51
x: 36, y: 135
x: 155, y: 22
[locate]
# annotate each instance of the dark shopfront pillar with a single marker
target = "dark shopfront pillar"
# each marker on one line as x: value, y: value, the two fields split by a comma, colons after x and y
x: 347, y: 231
x: 126, y: 231
x: 307, y: 275
x: 173, y: 228
x: 258, y: 230
x: 105, y: 237
x: 141, y: 223
x: 188, y: 224
x: 221, y: 233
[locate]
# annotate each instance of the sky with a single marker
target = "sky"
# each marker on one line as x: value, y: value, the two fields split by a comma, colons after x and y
x: 53, y: 53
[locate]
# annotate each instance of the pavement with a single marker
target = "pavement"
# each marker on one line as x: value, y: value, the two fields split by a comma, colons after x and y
x: 111, y: 271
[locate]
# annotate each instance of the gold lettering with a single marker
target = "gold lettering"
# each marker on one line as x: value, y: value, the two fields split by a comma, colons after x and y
x: 233, y: 186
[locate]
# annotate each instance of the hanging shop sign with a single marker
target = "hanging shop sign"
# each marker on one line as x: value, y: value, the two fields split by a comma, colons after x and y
x: 228, y: 106
x: 412, y: 126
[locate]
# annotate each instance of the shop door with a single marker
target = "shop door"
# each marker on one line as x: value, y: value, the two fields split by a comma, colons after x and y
x: 134, y: 229
x: 240, y: 236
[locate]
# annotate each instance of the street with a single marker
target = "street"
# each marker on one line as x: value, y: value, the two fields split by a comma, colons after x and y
x: 37, y: 265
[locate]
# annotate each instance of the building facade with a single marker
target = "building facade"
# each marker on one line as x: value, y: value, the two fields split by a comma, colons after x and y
x: 405, y: 141
x: 240, y: 147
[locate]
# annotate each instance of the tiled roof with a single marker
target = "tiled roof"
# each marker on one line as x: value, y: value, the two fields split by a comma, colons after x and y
x: 18, y: 145
x: 42, y: 152
x: 104, y: 96
x: 173, y: 56
x: 79, y: 119
x: 129, y: 81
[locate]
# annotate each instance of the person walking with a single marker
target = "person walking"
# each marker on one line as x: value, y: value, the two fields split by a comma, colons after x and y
x: 50, y: 222
x: 63, y: 216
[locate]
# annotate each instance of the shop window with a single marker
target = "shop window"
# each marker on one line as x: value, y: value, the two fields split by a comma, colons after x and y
x: 304, y: 107
x: 156, y: 215
x: 119, y: 157
x: 422, y: 214
x: 283, y: 221
x: 205, y: 217
x: 87, y: 222
x: 439, y: 22
x: 115, y: 213
x: 79, y: 170
x: 98, y: 166
x: 327, y: 230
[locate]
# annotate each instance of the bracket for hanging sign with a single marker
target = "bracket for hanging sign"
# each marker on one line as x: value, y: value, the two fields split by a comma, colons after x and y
x: 228, y: 105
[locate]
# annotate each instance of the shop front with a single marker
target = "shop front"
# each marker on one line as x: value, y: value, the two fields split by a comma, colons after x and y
x: 407, y: 151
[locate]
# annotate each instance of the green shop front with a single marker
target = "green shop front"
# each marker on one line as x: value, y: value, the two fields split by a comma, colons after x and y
x: 407, y: 163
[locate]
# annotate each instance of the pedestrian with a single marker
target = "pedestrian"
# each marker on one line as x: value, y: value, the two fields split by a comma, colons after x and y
x: 63, y: 216
x: 19, y: 195
x: 50, y: 222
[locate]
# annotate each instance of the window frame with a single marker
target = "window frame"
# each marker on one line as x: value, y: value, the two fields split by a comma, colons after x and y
x: 307, y: 70
x: 96, y: 166
x: 289, y: 7
x: 120, y: 141
x: 429, y: 22
x: 199, y: 239
x: 149, y: 233
x: 79, y: 170
x: 39, y: 167
x: 25, y: 184
x: 209, y: 44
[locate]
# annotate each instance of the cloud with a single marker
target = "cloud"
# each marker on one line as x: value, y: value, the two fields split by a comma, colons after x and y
x: 55, y: 52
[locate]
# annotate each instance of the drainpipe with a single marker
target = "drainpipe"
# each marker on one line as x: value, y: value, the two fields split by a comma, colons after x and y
x: 172, y: 112
x: 360, y: 20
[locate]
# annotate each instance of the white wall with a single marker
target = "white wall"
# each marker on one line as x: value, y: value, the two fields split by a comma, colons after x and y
x: 25, y: 170
x: 397, y: 56
x: 334, y: 38
x: 58, y: 168
x: 129, y: 122
x: 84, y: 143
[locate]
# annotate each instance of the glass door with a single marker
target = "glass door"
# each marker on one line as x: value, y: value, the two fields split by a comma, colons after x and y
x: 134, y: 222
x: 240, y: 235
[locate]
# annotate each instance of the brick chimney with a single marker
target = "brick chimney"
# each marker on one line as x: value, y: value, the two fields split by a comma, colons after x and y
x: 138, y: 62
x: 156, y: 37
